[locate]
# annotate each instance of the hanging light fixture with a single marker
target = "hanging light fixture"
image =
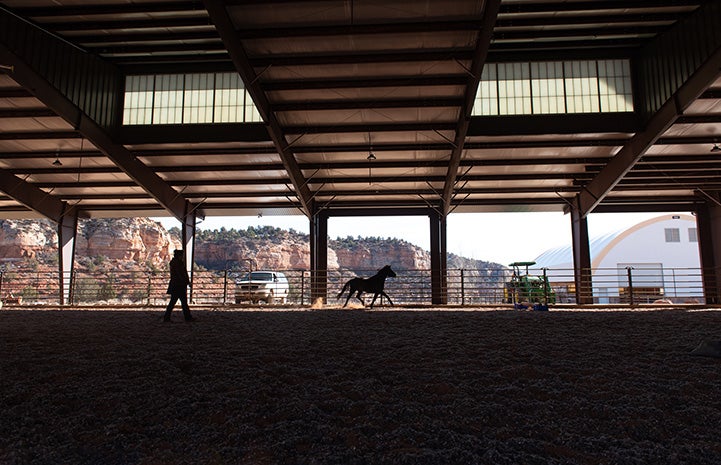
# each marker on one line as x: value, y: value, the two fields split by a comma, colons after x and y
x: 57, y: 161
x: 370, y: 158
x: 715, y: 148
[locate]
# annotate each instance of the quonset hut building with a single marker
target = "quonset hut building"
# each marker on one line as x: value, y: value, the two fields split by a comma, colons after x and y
x: 660, y: 255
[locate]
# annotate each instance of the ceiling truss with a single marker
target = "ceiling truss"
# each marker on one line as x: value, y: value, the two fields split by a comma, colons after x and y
x: 346, y: 81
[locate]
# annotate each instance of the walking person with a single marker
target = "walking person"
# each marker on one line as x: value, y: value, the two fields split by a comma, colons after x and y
x: 178, y: 287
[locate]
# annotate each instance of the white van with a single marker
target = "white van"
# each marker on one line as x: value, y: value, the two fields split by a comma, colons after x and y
x: 266, y: 286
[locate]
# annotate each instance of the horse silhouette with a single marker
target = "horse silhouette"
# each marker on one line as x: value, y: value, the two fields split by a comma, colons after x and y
x: 373, y: 284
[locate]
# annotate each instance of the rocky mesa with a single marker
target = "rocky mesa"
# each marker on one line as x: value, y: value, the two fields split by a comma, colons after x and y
x: 141, y: 243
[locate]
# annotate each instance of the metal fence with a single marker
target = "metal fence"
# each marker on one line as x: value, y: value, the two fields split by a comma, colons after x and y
x: 629, y: 285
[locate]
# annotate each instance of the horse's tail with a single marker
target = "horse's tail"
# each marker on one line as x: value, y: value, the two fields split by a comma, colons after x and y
x: 344, y: 288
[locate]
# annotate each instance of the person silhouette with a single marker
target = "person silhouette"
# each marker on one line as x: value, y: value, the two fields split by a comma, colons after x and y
x: 178, y: 287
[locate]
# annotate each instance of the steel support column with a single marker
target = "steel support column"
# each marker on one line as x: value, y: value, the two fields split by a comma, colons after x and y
x: 439, y: 295
x: 188, y: 233
x: 319, y: 257
x: 581, y: 257
x: 67, y: 231
x: 708, y: 222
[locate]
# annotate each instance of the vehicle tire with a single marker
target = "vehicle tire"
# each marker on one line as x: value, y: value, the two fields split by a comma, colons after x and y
x: 238, y: 300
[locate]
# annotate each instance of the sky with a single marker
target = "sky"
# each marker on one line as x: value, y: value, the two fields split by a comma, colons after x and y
x: 494, y: 237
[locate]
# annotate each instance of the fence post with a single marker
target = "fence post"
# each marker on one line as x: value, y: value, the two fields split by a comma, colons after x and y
x: 630, y: 285
x: 673, y: 275
x: 1, y: 284
x: 463, y: 288
x: 545, y: 285
x: 74, y: 287
x: 225, y: 287
x: 71, y: 288
x: 150, y: 287
x: 302, y: 286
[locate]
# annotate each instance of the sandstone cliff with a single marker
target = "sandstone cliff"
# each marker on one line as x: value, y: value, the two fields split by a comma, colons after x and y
x: 143, y: 244
x: 26, y: 240
x: 138, y: 242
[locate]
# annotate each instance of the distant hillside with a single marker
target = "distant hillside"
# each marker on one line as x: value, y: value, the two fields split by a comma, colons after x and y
x: 120, y: 243
x: 275, y: 248
x: 140, y: 243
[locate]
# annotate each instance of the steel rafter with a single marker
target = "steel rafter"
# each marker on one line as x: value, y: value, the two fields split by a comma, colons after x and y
x: 351, y: 83
x: 595, y: 6
x: 224, y: 25
x: 361, y: 29
x: 34, y: 198
x: 364, y: 57
x: 55, y: 100
x: 99, y: 10
x: 490, y: 13
x: 625, y: 159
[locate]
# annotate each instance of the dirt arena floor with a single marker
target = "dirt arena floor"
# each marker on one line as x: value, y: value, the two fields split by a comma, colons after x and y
x: 388, y: 386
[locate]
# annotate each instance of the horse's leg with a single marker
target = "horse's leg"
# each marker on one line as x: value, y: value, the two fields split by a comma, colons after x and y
x: 343, y: 290
x: 389, y: 299
x: 358, y: 296
x: 374, y: 299
x: 350, y: 294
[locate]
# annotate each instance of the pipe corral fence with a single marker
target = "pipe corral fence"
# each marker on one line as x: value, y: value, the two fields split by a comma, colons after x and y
x: 465, y: 287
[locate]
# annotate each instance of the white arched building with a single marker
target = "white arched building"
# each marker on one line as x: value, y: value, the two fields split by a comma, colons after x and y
x: 661, y: 255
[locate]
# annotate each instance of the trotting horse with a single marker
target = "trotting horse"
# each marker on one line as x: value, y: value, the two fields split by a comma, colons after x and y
x: 373, y: 284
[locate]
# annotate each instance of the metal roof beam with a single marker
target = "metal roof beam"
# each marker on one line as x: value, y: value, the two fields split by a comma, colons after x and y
x: 219, y: 16
x: 33, y: 197
x: 548, y: 7
x: 624, y: 160
x: 40, y: 135
x: 556, y: 7
x: 158, y: 64
x: 377, y: 127
x: 121, y: 9
x: 190, y: 133
x: 711, y: 94
x: 668, y: 167
x: 112, y: 24
x: 538, y: 52
x: 483, y: 42
x: 26, y: 113
x: 614, y: 32
x: 327, y: 193
x: 688, y: 140
x: 567, y: 47
x: 590, y: 164
x: 15, y: 92
x: 570, y: 19
x: 422, y: 55
x: 460, y: 25
x: 363, y: 104
x: 544, y: 124
x: 352, y: 83
x: 90, y: 40
x: 212, y: 45
x: 55, y: 100
x: 253, y: 181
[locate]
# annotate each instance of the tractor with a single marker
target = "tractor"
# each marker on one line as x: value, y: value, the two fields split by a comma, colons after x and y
x: 524, y: 290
